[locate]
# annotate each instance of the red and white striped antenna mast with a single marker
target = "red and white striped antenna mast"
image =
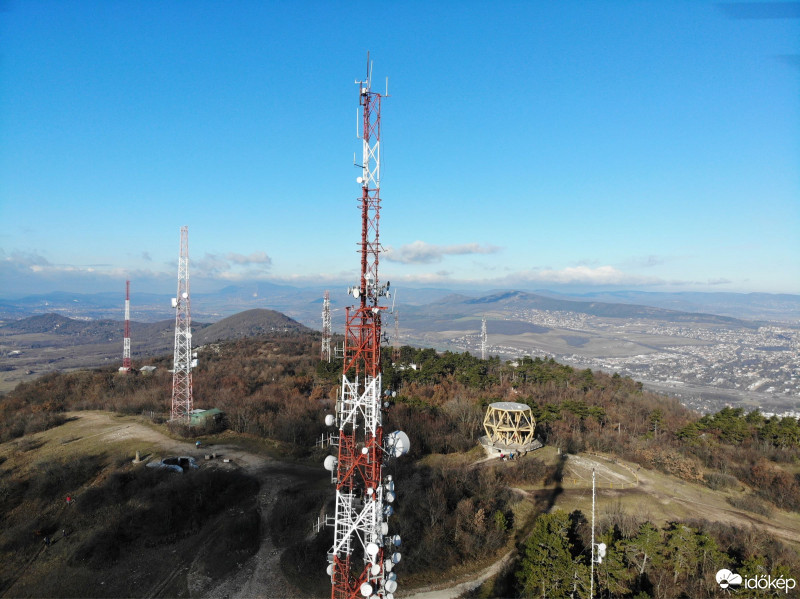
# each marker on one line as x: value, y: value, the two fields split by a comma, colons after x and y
x: 126, y: 337
x: 362, y: 557
x: 182, y: 360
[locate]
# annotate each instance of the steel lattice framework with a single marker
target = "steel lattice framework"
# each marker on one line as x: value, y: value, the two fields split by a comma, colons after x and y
x: 396, y: 341
x: 325, y: 350
x: 483, y: 338
x: 360, y: 559
x: 126, y: 338
x: 182, y: 361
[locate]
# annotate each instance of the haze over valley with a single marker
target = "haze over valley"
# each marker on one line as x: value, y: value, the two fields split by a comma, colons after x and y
x: 743, y: 352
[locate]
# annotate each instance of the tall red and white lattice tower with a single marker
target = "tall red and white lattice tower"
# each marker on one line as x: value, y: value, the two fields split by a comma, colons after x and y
x: 363, y: 554
x: 182, y: 362
x: 325, y: 350
x: 126, y: 338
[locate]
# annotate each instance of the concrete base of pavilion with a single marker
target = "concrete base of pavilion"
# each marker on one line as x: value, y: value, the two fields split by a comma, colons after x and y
x: 494, y: 449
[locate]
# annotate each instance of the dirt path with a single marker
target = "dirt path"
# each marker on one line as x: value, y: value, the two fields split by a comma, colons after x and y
x: 260, y: 575
x: 459, y: 588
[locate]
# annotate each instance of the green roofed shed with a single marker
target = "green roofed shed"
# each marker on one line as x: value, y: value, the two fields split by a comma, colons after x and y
x: 203, y: 417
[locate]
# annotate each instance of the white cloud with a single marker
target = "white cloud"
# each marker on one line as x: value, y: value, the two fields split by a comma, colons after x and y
x: 231, y: 266
x: 420, y: 252
x: 585, y: 275
x: 253, y: 258
x: 573, y: 275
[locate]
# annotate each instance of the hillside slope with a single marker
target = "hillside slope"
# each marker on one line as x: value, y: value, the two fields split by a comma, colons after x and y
x: 250, y: 323
x: 39, y: 344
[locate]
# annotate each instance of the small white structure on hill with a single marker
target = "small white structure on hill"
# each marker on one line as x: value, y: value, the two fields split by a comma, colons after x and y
x: 509, y: 427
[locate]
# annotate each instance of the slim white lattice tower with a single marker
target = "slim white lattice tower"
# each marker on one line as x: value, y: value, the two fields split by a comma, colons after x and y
x: 126, y: 338
x: 363, y: 554
x: 182, y: 362
x: 396, y: 340
x: 325, y: 350
x: 483, y: 338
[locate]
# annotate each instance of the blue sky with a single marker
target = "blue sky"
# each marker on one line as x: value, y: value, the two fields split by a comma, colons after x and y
x: 561, y: 145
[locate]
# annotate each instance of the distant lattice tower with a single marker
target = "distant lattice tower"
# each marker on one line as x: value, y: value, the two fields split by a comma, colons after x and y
x: 483, y: 338
x: 182, y: 362
x: 325, y: 350
x: 126, y: 338
x: 396, y: 341
x: 510, y: 426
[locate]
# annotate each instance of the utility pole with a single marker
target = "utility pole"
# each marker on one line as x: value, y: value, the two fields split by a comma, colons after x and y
x: 591, y: 576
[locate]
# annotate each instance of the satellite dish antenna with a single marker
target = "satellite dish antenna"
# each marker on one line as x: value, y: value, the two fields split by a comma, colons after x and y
x: 330, y: 420
x: 372, y: 549
x: 330, y: 463
x: 397, y: 444
x: 355, y: 292
x: 366, y: 589
x: 375, y: 569
x: 396, y: 557
x: 391, y: 585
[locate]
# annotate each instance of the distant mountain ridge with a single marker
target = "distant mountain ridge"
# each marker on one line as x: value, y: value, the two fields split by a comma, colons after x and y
x: 525, y: 300
x: 303, y: 304
x: 249, y: 323
x: 32, y: 346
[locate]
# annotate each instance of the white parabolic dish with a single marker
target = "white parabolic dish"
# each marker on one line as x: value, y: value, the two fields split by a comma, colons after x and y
x: 397, y: 444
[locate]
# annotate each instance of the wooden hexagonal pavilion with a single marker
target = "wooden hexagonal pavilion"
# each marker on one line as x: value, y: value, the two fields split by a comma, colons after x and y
x: 510, y: 425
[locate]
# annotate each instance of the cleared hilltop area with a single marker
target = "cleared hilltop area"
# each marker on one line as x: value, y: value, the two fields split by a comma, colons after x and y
x: 679, y: 496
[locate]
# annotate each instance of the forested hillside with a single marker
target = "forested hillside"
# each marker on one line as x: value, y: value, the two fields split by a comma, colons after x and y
x: 453, y: 512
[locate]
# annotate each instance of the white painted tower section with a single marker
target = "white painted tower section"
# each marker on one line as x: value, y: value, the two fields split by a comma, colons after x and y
x: 483, y: 338
x: 182, y: 358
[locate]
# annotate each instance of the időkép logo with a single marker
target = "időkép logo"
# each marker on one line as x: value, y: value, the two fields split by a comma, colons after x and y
x: 726, y: 578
